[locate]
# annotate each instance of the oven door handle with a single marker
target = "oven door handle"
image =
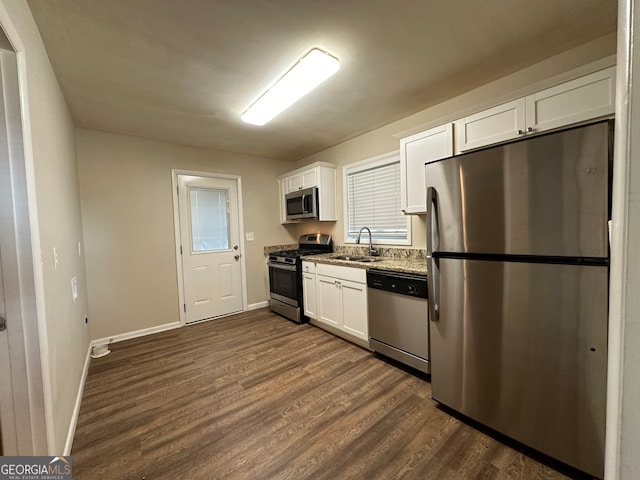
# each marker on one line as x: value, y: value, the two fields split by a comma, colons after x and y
x: 290, y: 268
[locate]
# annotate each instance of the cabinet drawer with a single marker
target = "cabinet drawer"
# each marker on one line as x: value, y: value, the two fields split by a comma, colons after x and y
x: 308, y: 267
x: 352, y: 274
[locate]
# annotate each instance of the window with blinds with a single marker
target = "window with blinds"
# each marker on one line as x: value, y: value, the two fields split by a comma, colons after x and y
x: 372, y: 193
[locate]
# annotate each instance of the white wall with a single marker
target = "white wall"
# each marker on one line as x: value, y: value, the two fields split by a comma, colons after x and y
x: 50, y: 159
x: 127, y: 213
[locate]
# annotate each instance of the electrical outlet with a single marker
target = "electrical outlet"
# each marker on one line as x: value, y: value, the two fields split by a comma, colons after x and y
x: 250, y: 237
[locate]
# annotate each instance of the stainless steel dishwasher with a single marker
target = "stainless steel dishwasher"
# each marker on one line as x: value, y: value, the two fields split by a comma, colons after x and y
x: 398, y: 319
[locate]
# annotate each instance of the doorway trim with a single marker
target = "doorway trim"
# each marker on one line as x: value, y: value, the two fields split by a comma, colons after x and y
x: 176, y: 227
x: 37, y: 416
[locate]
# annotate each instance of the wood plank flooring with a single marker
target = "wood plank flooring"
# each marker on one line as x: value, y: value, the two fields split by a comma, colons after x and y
x: 255, y: 396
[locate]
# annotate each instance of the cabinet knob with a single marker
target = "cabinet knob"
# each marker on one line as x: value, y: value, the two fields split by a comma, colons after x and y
x: 519, y: 132
x: 529, y: 129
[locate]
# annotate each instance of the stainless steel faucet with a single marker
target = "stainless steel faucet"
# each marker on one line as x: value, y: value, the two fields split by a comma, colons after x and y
x: 372, y: 251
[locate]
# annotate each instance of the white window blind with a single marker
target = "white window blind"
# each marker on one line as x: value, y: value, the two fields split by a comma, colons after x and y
x: 373, y: 200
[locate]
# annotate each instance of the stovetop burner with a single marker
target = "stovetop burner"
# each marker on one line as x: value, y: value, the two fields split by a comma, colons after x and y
x: 298, y: 252
x: 310, y: 244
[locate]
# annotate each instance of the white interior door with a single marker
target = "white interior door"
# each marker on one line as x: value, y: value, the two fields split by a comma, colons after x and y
x: 7, y: 420
x: 210, y: 241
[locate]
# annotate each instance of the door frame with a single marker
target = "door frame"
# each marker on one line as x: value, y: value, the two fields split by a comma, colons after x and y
x: 29, y: 353
x: 176, y: 227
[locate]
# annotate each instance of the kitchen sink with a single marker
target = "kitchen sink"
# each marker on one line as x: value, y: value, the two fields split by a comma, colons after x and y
x: 352, y: 258
x: 356, y: 258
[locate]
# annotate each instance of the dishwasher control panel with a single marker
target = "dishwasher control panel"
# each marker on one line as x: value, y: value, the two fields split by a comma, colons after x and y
x: 396, y: 282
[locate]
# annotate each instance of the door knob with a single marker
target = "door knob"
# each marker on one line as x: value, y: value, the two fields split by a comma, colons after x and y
x: 3, y: 323
x: 236, y: 256
x: 235, y: 247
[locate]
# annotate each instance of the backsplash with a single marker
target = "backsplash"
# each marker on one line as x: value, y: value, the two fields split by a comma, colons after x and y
x: 276, y: 248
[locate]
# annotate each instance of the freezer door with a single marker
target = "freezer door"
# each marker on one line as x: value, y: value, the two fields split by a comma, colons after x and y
x: 546, y: 196
x: 522, y: 348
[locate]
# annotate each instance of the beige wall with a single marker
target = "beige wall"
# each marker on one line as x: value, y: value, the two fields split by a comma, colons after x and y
x: 127, y: 212
x: 584, y: 59
x: 64, y: 338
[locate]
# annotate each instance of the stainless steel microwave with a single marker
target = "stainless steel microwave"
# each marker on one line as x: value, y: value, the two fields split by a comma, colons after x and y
x: 302, y: 204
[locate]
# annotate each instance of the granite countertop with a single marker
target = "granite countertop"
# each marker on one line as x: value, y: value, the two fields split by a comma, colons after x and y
x: 393, y: 259
x: 415, y: 265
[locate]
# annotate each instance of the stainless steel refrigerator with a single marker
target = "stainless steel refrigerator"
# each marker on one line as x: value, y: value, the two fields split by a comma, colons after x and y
x: 517, y: 249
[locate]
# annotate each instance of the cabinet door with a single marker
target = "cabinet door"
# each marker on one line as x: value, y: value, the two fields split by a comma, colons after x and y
x: 295, y: 182
x: 354, y: 309
x: 309, y: 178
x: 283, y: 187
x: 579, y: 100
x: 497, y: 124
x: 415, y: 151
x: 303, y: 180
x: 328, y: 297
x: 309, y: 294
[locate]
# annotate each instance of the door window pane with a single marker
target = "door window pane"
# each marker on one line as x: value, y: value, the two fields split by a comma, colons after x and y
x: 209, y: 219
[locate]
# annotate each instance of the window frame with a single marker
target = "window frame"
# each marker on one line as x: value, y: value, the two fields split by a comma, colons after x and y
x: 366, y: 164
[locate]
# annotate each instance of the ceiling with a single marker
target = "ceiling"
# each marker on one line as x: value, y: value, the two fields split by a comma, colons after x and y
x: 183, y: 71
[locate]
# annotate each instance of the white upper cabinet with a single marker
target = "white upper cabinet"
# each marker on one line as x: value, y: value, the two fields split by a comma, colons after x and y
x: 494, y: 125
x: 283, y: 189
x: 576, y: 101
x: 318, y: 174
x: 415, y: 151
x: 303, y: 180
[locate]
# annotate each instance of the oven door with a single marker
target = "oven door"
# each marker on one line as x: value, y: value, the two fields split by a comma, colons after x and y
x: 284, y: 284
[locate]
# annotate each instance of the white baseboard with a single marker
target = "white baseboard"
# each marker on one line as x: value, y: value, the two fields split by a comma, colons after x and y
x: 113, y: 339
x: 85, y: 371
x: 256, y: 306
x: 135, y: 334
x: 76, y: 408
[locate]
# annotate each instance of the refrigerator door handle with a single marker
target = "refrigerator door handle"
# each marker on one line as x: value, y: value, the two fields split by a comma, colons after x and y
x: 433, y: 290
x: 432, y: 217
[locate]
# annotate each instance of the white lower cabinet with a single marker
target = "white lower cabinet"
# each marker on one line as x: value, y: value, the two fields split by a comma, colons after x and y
x: 342, y: 299
x: 309, y: 289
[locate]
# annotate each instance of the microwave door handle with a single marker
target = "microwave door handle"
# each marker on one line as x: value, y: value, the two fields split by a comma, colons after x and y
x: 304, y: 203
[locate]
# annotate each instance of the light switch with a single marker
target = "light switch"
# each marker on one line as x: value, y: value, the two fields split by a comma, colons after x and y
x: 56, y: 259
x: 74, y: 289
x: 250, y: 237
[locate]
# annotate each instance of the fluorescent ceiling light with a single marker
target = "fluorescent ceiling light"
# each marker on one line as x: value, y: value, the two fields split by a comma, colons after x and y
x: 310, y: 71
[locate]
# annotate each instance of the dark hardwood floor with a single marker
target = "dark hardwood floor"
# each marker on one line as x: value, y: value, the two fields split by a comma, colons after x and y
x: 255, y: 396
